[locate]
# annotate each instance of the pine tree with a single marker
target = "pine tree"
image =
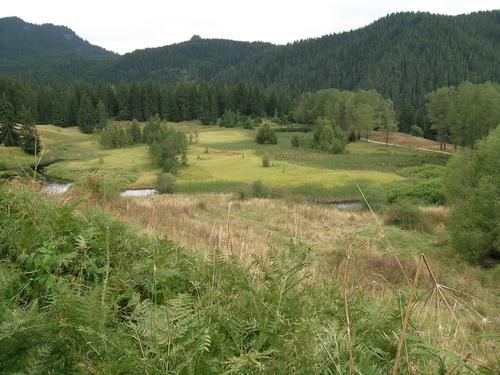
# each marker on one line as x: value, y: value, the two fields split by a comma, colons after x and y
x: 102, y: 115
x: 9, y: 133
x: 86, y: 115
x: 30, y: 140
x: 25, y: 116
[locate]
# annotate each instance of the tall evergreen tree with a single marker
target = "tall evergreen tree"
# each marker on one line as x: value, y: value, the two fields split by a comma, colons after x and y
x: 9, y: 133
x: 102, y: 115
x: 86, y: 115
x: 30, y: 139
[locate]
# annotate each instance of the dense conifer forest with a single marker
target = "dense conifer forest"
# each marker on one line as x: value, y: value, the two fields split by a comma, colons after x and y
x: 403, y: 56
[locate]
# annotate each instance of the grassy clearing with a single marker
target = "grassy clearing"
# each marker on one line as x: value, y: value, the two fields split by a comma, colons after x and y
x: 83, y: 153
x: 229, y: 160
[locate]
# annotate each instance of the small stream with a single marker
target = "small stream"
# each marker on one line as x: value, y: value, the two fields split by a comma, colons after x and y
x: 54, y: 188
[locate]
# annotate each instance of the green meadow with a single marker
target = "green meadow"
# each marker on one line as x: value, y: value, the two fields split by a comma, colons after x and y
x: 222, y: 159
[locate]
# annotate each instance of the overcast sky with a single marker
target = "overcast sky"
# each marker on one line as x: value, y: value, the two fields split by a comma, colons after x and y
x: 123, y: 26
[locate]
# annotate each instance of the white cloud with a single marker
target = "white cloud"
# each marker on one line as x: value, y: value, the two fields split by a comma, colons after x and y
x: 126, y: 25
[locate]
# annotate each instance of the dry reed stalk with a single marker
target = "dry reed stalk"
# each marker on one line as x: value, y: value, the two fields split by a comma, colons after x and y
x: 402, y: 335
x: 384, y: 235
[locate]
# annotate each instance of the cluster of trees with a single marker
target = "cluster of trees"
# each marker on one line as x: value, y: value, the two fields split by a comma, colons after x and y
x: 115, y: 135
x: 88, y: 106
x: 12, y: 134
x: 353, y: 112
x: 168, y: 147
x: 230, y: 119
x: 464, y: 114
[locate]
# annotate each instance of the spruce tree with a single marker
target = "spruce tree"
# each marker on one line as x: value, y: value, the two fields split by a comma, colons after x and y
x: 135, y: 132
x: 102, y: 115
x: 30, y: 140
x: 86, y: 116
x: 9, y: 133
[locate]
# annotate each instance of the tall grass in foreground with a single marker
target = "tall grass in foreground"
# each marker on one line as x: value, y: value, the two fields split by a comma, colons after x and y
x: 82, y: 293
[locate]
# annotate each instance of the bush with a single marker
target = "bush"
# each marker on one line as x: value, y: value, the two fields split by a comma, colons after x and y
x: 259, y: 190
x: 407, y: 216
x: 266, y: 163
x: 428, y: 191
x: 416, y: 131
x: 168, y: 149
x: 295, y: 141
x: 266, y: 135
x: 165, y: 183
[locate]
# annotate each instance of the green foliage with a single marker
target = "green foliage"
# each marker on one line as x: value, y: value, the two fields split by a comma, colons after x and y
x: 266, y: 135
x: 230, y: 119
x: 30, y: 140
x: 168, y: 149
x: 407, y: 216
x: 259, y: 190
x: 295, y: 141
x: 86, y: 118
x: 102, y: 115
x: 424, y: 184
x: 266, y: 162
x: 115, y: 136
x: 135, y: 132
x: 356, y: 112
x: 472, y: 183
x: 81, y: 291
x: 9, y: 133
x: 165, y: 183
x: 328, y: 138
x: 416, y: 131
x: 151, y: 130
x: 464, y: 114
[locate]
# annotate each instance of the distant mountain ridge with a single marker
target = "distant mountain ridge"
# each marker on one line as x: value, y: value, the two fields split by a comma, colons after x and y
x: 402, y: 55
x: 25, y: 47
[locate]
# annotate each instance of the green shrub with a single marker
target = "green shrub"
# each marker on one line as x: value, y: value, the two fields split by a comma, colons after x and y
x: 428, y: 191
x: 259, y: 190
x: 422, y: 172
x: 416, y: 131
x: 266, y: 135
x: 407, y: 216
x: 165, y: 183
x: 328, y: 138
x: 266, y: 162
x: 115, y: 136
x: 295, y: 141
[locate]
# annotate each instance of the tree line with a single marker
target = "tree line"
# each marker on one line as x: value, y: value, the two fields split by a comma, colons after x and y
x: 88, y: 105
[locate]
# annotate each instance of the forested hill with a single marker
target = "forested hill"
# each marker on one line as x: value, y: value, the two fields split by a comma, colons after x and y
x: 197, y: 59
x: 402, y: 55
x: 27, y: 48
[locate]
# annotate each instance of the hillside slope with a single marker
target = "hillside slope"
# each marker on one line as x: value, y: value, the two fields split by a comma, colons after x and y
x: 26, y: 48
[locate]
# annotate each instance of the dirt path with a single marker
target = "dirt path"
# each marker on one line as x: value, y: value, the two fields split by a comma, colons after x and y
x: 408, y: 147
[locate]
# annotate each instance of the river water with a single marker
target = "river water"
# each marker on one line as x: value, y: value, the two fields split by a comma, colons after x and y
x: 55, y: 188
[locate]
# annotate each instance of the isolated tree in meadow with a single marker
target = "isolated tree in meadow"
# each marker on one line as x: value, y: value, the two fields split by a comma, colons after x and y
x: 266, y: 135
x: 102, y: 115
x: 86, y: 119
x: 9, y: 132
x: 386, y: 118
x: 135, y: 132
